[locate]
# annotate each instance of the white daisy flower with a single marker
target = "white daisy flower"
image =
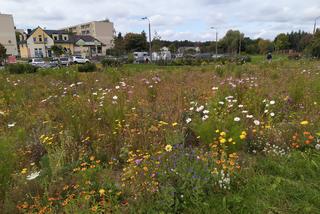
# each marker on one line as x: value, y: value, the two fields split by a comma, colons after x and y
x: 205, y: 117
x: 33, y: 175
x: 256, y: 122
x: 206, y: 111
x: 11, y: 125
x: 199, y: 109
x: 237, y: 119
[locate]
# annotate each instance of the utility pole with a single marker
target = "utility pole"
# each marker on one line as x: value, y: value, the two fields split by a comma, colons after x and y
x: 150, y: 47
x: 216, y: 41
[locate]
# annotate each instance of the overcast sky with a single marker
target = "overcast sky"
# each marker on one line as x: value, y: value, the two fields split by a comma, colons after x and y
x: 172, y: 19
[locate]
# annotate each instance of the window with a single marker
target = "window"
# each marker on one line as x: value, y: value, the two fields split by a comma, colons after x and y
x: 65, y: 37
x: 40, y: 52
x: 55, y: 38
x: 34, y: 39
x: 45, y: 39
x: 40, y: 38
x: 36, y: 53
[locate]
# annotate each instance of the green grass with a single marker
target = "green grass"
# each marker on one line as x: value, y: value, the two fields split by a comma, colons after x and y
x: 117, y: 140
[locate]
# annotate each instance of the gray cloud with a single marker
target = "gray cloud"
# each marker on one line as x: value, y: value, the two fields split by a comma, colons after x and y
x: 174, y: 19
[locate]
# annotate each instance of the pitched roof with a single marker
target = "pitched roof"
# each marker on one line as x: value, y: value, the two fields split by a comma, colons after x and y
x: 50, y: 32
x: 86, y: 38
x: 58, y: 32
x: 71, y: 38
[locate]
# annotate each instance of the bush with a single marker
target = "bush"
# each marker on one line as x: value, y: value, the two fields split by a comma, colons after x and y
x: 130, y: 58
x: 88, y: 67
x: 294, y: 56
x: 111, y: 62
x: 21, y: 68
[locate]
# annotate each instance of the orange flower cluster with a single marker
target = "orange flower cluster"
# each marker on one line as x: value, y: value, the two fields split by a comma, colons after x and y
x: 92, y: 163
x: 226, y: 161
x: 306, y: 139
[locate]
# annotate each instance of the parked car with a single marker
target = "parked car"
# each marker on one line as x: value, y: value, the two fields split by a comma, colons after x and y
x: 54, y: 63
x: 64, y: 61
x: 79, y: 60
x: 141, y: 57
x: 38, y: 62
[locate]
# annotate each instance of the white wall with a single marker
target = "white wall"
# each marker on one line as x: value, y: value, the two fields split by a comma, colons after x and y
x: 7, y: 34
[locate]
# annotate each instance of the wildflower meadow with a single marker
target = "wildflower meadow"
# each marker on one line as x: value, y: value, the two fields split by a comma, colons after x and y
x: 215, y: 138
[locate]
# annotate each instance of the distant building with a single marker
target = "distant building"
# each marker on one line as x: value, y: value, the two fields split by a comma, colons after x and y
x: 7, y: 34
x: 101, y: 30
x: 87, y: 46
x: 163, y: 54
x: 39, y: 42
x: 183, y: 50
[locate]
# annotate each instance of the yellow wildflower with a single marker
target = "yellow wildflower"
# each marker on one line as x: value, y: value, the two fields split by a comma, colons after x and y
x: 168, y: 148
x: 305, y: 122
x: 102, y: 191
x: 24, y: 171
x: 242, y: 137
x: 222, y: 140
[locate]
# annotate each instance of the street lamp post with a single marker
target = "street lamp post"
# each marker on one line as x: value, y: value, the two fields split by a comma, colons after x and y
x: 216, y: 40
x: 315, y: 25
x: 150, y: 48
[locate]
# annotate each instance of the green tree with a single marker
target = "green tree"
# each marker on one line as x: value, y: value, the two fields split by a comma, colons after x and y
x: 313, y: 49
x: 265, y: 46
x: 230, y: 43
x: 281, y: 42
x: 3, y: 53
x: 57, y: 50
x: 250, y: 46
x: 118, y: 48
x: 156, y: 42
x: 305, y: 40
x: 172, y: 48
x: 135, y: 42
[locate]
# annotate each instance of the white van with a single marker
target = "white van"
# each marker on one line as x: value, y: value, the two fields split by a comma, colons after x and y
x: 141, y: 57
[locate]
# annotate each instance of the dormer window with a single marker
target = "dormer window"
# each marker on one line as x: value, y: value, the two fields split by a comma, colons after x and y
x: 65, y: 37
x: 55, y: 37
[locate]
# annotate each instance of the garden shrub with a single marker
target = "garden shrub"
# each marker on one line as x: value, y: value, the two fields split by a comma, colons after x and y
x: 88, y: 67
x: 21, y: 68
x: 111, y: 62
